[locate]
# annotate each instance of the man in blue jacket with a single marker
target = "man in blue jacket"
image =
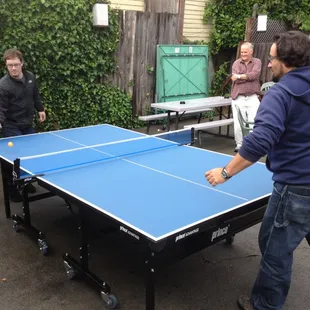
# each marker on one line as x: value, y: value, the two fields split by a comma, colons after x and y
x: 282, y: 131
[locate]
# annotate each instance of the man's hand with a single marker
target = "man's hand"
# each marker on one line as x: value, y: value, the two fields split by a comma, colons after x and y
x: 214, y: 176
x: 42, y: 116
x: 243, y: 77
x: 234, y: 77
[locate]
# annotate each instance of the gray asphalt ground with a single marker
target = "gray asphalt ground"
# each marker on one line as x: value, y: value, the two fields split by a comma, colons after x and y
x: 210, y: 279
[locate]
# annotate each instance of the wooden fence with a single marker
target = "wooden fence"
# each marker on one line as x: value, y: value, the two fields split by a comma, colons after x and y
x: 141, y: 32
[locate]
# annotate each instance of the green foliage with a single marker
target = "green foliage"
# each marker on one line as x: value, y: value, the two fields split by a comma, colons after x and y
x: 68, y: 56
x: 217, y: 87
x: 82, y: 104
x: 149, y: 69
x: 196, y: 42
x: 229, y: 18
x: 293, y: 12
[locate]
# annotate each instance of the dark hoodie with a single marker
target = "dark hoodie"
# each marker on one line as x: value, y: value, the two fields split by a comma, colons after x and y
x: 282, y: 129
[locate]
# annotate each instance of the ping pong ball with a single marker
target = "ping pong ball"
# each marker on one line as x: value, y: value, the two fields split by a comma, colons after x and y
x: 10, y: 144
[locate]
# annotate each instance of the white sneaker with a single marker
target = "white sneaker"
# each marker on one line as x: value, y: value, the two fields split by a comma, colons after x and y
x: 237, y: 148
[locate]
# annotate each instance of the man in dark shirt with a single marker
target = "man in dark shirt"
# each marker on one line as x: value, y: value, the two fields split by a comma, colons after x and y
x: 281, y: 130
x: 245, y: 87
x: 19, y: 98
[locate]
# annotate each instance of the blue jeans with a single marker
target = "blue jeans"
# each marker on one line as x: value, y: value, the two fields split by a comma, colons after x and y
x: 11, y: 131
x: 285, y: 224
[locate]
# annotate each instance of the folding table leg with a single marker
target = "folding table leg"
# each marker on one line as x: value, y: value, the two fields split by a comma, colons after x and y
x: 150, y: 284
x: 220, y: 117
x: 81, y: 268
x: 177, y: 121
x: 5, y: 187
x: 148, y: 127
x: 168, y: 121
x: 25, y: 221
x: 228, y: 116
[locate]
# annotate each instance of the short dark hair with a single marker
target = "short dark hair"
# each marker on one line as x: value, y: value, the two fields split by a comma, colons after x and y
x: 293, y: 48
x: 13, y: 53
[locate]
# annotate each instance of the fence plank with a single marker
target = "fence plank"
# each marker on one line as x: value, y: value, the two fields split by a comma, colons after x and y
x: 141, y: 32
x: 162, y: 6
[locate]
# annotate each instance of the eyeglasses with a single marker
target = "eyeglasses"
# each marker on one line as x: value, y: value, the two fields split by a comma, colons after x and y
x: 271, y: 58
x: 13, y: 65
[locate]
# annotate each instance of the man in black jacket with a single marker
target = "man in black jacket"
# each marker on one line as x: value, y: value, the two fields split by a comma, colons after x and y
x: 19, y: 98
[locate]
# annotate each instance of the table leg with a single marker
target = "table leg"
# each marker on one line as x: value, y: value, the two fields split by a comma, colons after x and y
x: 168, y: 123
x: 177, y: 121
x: 228, y: 116
x: 25, y: 221
x: 150, y: 284
x: 221, y: 116
x: 5, y: 187
x: 80, y: 267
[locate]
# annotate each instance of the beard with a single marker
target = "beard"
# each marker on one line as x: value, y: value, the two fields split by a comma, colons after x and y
x: 275, y: 78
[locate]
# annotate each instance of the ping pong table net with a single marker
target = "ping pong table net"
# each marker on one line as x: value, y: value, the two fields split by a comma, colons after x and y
x: 86, y: 155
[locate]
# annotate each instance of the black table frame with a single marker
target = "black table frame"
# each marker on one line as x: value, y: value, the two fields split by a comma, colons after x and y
x: 156, y: 255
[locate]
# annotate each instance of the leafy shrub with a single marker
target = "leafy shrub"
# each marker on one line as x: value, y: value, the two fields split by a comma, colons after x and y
x: 68, y: 56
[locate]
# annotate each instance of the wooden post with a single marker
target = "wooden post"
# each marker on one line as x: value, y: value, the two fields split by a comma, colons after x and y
x: 248, y: 29
x: 181, y: 20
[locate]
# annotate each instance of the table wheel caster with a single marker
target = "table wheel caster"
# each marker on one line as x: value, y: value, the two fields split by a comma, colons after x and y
x: 16, y: 226
x: 230, y: 240
x: 71, y: 272
x: 109, y: 299
x: 43, y: 246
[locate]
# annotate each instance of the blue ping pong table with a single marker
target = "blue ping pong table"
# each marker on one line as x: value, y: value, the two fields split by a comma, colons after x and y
x: 151, y: 189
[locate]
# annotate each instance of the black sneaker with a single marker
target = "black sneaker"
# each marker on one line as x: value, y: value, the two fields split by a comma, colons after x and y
x: 15, y: 196
x: 245, y: 303
x: 31, y: 189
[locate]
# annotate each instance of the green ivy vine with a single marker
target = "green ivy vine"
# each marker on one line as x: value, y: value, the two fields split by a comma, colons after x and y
x: 217, y: 87
x: 229, y: 18
x: 68, y: 56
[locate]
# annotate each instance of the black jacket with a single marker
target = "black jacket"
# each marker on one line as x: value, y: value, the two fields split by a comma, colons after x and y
x: 18, y: 100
